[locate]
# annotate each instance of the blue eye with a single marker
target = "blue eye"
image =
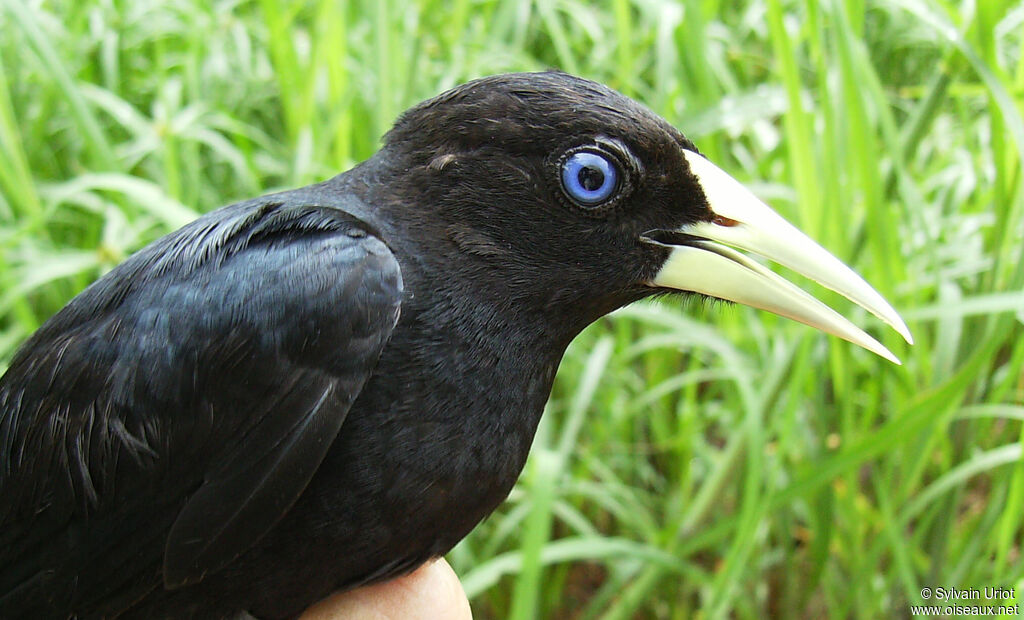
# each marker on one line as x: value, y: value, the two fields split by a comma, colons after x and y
x: 589, y: 178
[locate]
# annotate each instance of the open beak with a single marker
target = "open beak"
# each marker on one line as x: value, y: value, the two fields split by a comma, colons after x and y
x: 702, y: 261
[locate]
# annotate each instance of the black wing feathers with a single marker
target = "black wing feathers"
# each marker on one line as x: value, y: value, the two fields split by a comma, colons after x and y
x: 197, y: 386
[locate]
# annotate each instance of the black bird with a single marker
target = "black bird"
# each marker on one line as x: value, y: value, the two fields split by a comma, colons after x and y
x: 326, y: 387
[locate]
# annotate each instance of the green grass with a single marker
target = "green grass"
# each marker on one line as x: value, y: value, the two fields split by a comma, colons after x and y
x: 710, y: 462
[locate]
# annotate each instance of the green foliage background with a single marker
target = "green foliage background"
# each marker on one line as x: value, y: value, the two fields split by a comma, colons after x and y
x: 693, y: 462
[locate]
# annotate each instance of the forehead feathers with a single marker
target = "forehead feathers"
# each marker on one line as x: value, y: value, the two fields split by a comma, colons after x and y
x: 529, y: 113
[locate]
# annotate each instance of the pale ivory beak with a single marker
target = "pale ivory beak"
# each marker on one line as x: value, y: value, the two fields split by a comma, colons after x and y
x: 700, y: 263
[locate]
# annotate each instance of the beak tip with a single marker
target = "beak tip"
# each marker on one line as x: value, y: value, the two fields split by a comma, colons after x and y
x: 895, y: 321
x: 887, y: 354
x: 865, y: 341
x: 907, y: 336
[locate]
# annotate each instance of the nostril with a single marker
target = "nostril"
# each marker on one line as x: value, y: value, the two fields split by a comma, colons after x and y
x: 721, y: 220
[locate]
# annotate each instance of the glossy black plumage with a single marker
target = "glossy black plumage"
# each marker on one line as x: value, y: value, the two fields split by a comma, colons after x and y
x: 232, y: 420
x: 196, y: 384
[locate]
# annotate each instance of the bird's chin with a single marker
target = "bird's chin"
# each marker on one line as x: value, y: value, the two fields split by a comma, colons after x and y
x: 703, y: 258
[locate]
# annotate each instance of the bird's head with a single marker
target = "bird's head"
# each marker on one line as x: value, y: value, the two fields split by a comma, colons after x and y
x: 584, y: 200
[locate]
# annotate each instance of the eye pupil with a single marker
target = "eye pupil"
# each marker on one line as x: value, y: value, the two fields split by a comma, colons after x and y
x: 589, y: 177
